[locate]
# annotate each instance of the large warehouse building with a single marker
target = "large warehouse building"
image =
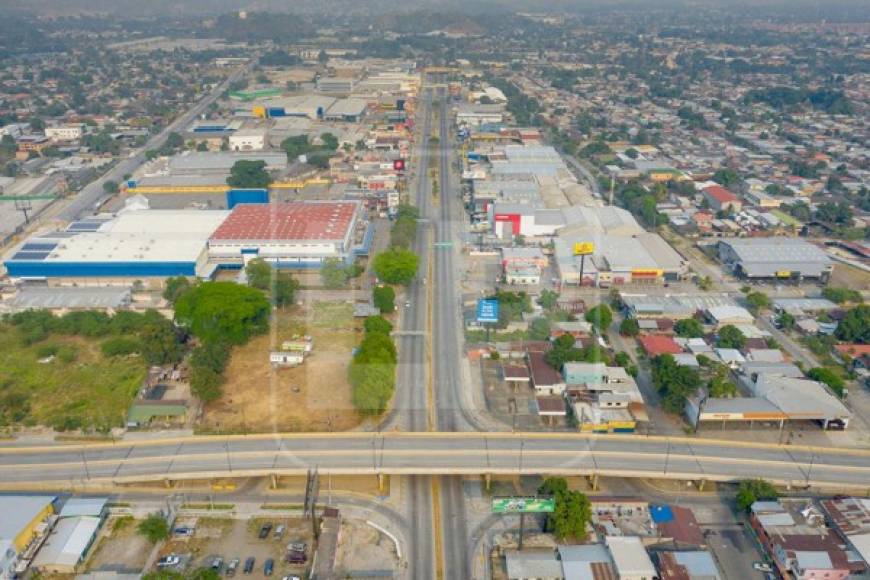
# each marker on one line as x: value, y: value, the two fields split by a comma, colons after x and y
x: 292, y: 235
x: 134, y: 245
x: 782, y: 258
x: 150, y: 245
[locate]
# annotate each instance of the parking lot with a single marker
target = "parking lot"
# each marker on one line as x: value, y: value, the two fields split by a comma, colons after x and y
x: 231, y: 538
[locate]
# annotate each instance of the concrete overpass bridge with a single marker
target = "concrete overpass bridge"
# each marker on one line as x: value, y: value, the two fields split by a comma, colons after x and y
x: 402, y: 453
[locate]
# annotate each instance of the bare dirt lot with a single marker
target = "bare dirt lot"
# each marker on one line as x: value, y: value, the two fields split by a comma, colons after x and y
x: 845, y: 276
x: 314, y: 396
x: 121, y: 550
x: 364, y: 549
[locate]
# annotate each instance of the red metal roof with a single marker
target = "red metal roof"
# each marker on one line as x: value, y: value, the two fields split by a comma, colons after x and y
x: 655, y: 345
x: 287, y: 221
x: 720, y: 194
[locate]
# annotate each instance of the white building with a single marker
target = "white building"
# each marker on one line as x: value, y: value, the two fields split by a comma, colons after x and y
x: 630, y: 558
x: 248, y: 140
x: 71, y: 132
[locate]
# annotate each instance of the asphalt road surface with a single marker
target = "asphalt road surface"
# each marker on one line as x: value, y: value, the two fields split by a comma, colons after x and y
x: 433, y: 453
x: 87, y: 201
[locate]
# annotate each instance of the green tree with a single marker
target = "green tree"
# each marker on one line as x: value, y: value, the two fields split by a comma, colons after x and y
x: 247, y: 173
x: 377, y: 324
x: 120, y: 346
x: 752, y: 490
x: 175, y: 141
x: 675, y: 382
x: 830, y: 377
x: 786, y: 320
x: 396, y: 266
x: 719, y: 386
x: 284, y: 292
x: 689, y: 328
x: 335, y: 273
x: 573, y: 510
x: 600, y: 317
x: 629, y: 327
x: 726, y: 177
x: 206, y: 384
x: 160, y: 344
x: 384, y: 298
x: 855, y: 326
x: 259, y: 273
x: 563, y: 351
x: 842, y: 295
x: 330, y: 141
x: 539, y: 329
x: 731, y: 337
x: 757, y: 301
x: 175, y: 287
x: 223, y: 312
x: 153, y: 528
x: 548, y: 299
x: 110, y: 186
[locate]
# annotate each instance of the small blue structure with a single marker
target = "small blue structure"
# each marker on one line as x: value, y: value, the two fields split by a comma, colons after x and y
x: 487, y: 310
x: 237, y: 196
x: 661, y: 514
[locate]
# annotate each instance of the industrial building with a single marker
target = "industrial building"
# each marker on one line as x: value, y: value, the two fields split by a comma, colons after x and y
x: 779, y: 258
x: 24, y: 522
x: 248, y: 140
x: 150, y: 245
x: 291, y: 235
x: 134, y: 245
x: 72, y: 537
x: 776, y: 398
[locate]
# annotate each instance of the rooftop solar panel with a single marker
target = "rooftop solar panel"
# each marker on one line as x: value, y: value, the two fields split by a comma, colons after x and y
x: 32, y: 246
x: 30, y: 255
x: 84, y: 227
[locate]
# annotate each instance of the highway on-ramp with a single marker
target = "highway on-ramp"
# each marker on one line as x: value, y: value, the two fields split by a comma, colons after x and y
x: 432, y: 453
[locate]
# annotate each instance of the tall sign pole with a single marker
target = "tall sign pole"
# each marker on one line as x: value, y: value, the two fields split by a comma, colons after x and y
x: 583, y: 249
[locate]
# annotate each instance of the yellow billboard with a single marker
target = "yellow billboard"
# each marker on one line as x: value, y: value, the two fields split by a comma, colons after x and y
x: 584, y: 248
x: 783, y: 274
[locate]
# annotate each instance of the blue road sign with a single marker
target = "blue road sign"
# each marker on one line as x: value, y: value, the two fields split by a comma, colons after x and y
x: 487, y: 310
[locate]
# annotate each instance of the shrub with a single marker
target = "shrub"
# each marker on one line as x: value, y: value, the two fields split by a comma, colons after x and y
x: 46, y: 350
x: 120, y: 346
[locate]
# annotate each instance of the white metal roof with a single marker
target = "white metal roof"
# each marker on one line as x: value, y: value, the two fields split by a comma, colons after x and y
x: 67, y: 543
x: 19, y: 511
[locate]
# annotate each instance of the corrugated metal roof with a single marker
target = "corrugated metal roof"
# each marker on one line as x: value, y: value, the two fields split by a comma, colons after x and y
x: 19, y: 511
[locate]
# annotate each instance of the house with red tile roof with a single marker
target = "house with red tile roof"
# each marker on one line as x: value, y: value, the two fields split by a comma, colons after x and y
x: 656, y: 344
x: 721, y: 199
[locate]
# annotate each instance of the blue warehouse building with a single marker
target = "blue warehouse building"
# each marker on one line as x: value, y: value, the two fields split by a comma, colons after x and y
x: 146, y: 245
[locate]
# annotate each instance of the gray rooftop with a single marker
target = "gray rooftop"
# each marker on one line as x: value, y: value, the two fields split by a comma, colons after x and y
x: 30, y: 297
x: 19, y: 511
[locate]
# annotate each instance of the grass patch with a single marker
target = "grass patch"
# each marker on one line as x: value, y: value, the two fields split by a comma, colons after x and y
x: 84, y: 391
x: 495, y: 336
x: 208, y: 506
x: 281, y: 506
x: 331, y: 315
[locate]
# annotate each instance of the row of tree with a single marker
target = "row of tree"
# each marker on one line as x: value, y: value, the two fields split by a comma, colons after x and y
x: 372, y: 371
